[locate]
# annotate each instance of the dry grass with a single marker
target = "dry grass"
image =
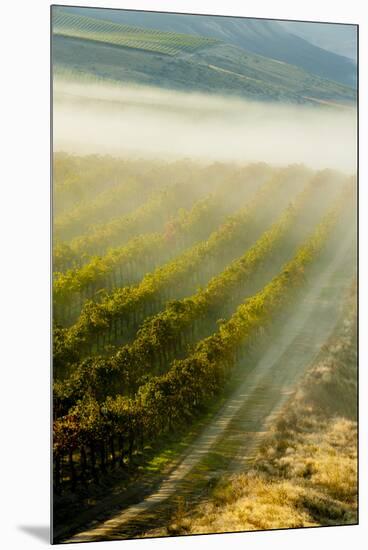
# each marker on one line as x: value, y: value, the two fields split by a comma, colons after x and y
x: 312, y: 481
x: 305, y: 473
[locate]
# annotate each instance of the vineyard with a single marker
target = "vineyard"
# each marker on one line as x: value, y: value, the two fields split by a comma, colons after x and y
x: 168, y: 278
x: 149, y: 40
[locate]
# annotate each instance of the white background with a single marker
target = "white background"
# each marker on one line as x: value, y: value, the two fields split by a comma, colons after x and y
x: 25, y: 272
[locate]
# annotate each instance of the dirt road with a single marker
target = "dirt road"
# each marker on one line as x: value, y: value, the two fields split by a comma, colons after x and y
x: 230, y: 441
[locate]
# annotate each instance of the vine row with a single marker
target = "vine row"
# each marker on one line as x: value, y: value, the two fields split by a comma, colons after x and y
x: 115, y: 428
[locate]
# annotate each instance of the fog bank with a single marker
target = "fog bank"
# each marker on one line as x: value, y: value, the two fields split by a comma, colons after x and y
x: 146, y: 121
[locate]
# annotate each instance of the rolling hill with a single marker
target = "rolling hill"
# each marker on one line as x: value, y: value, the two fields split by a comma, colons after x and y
x: 263, y: 37
x: 130, y: 54
x: 340, y: 39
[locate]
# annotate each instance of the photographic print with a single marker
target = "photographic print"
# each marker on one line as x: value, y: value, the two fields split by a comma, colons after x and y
x: 204, y: 294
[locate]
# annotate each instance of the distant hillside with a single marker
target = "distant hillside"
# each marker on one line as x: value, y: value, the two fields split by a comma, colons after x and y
x: 339, y: 39
x: 105, y: 50
x: 263, y: 37
x: 96, y: 30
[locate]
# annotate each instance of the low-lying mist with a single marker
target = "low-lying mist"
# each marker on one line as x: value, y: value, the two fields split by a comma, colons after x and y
x: 151, y: 122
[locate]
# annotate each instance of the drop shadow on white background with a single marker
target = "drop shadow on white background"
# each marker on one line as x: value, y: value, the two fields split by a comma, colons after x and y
x: 39, y: 532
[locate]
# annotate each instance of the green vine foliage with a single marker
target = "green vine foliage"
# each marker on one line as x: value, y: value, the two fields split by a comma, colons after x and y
x: 120, y: 312
x: 168, y: 400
